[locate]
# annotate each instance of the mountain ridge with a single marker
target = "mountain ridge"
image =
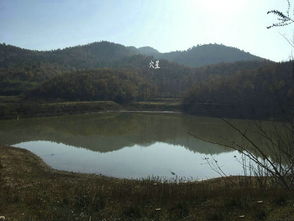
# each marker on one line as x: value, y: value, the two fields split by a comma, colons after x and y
x: 104, y: 52
x: 23, y: 70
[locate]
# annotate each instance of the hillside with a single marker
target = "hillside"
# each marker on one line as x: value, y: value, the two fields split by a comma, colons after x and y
x: 104, y: 54
x: 202, y: 55
x: 94, y: 55
x: 108, y: 71
x: 264, y: 92
x: 22, y: 70
x: 103, y: 84
x: 208, y: 54
x: 171, y: 80
x: 148, y: 51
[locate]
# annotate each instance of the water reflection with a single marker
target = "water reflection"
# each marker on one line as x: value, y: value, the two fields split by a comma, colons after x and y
x: 107, y: 132
x: 159, y: 159
x: 130, y: 145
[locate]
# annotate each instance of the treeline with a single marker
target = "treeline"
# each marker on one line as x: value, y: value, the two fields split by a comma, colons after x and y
x: 17, y: 81
x: 173, y: 80
x: 33, y: 68
x: 101, y: 84
x: 134, y: 83
x: 264, y: 92
x: 107, y: 71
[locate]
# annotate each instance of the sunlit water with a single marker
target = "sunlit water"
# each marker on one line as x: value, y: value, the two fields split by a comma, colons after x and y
x: 130, y: 145
x: 158, y: 159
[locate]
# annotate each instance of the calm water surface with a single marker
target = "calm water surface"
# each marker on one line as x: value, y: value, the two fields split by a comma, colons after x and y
x: 131, y: 145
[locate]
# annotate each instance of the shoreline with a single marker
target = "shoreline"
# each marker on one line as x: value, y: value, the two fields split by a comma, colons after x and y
x: 32, y: 190
x: 42, y: 165
x: 27, y: 110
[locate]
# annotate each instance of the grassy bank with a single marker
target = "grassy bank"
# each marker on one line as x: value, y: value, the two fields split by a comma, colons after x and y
x: 30, y: 190
x: 14, y: 107
x: 154, y: 106
x: 33, y: 109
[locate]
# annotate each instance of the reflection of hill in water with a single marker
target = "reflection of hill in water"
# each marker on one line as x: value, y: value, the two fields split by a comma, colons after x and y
x: 112, y: 131
x: 106, y: 132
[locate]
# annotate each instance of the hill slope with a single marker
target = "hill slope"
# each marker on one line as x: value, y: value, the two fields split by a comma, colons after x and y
x: 94, y: 55
x: 207, y: 54
x: 103, y: 54
x: 22, y: 70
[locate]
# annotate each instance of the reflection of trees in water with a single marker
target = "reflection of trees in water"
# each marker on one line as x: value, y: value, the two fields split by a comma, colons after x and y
x: 112, y: 131
x: 264, y: 134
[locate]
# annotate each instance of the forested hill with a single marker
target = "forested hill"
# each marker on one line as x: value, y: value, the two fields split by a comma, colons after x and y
x: 171, y: 80
x: 104, y: 54
x: 208, y: 54
x: 95, y: 55
x: 108, y: 71
x: 266, y: 92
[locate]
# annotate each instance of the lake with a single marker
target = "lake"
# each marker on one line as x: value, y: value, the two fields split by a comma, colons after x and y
x: 133, y: 145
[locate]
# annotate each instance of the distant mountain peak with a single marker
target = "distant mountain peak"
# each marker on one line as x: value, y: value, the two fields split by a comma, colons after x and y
x: 207, y: 54
x: 147, y: 50
x: 104, y: 53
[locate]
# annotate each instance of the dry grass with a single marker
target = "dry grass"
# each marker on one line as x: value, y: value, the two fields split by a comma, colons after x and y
x: 30, y: 190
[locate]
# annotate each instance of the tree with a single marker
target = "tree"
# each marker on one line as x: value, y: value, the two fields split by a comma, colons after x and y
x: 284, y: 18
x: 281, y: 167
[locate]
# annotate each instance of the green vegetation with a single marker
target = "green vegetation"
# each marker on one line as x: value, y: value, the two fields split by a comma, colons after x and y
x: 208, y: 54
x: 105, y: 76
x: 103, y: 84
x: 32, y: 109
x: 155, y: 106
x: 266, y: 92
x: 103, y: 71
x: 105, y: 54
x: 22, y: 109
x: 23, y: 70
x: 210, y: 80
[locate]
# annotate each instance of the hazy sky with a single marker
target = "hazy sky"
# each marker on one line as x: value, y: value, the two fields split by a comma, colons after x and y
x: 166, y: 25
